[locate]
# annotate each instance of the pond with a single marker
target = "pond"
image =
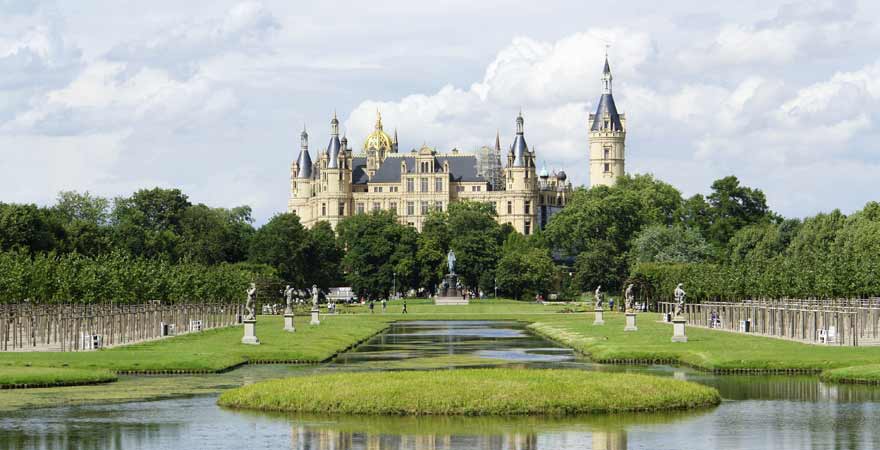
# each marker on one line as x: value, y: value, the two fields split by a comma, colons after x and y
x: 758, y: 412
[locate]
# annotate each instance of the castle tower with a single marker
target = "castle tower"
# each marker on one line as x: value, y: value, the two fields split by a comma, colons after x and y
x: 521, y: 183
x: 334, y: 191
x: 301, y: 179
x: 607, y: 137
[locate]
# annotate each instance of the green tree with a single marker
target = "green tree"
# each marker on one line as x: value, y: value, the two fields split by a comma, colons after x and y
x: 378, y: 251
x: 475, y: 240
x: 214, y: 235
x: 661, y: 243
x: 323, y: 257
x: 281, y: 243
x: 433, y: 245
x: 732, y: 207
x: 27, y: 228
x: 149, y: 222
x: 525, y: 268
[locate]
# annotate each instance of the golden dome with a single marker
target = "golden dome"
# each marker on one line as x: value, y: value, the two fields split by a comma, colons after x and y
x: 379, y: 139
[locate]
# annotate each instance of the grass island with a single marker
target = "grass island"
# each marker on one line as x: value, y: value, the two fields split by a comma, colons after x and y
x: 472, y: 392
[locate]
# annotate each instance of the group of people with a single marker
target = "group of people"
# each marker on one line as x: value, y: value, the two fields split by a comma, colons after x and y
x: 384, y: 303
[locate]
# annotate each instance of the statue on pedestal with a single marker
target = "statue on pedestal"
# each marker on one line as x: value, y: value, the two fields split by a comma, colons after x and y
x: 679, y: 299
x: 450, y: 262
x: 599, y: 296
x: 289, y: 292
x: 250, y: 304
x: 315, y: 293
x: 628, y: 298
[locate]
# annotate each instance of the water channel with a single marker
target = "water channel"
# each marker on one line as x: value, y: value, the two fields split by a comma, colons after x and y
x: 758, y: 412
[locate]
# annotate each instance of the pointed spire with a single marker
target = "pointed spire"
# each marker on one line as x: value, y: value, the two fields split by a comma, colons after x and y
x: 378, y: 119
x: 606, y: 76
x: 395, y: 136
x: 334, y: 145
x: 519, y: 147
x: 498, y: 141
x: 304, y: 161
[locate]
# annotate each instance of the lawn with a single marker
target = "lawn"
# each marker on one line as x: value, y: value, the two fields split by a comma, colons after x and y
x: 472, y: 392
x: 220, y: 349
x: 706, y: 349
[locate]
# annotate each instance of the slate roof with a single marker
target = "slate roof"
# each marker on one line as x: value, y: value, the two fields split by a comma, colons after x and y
x: 359, y: 170
x: 606, y: 104
x: 333, y: 152
x: 461, y: 168
x: 305, y: 164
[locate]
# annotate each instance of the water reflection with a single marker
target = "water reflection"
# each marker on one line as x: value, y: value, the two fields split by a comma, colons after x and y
x: 417, y: 344
x: 460, y: 433
x: 759, y: 412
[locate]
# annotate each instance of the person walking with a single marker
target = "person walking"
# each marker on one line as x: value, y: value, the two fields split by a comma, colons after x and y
x: 404, y: 306
x: 384, y: 305
x: 371, y: 307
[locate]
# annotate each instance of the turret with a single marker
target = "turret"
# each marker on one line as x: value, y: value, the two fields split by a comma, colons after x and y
x: 607, y: 130
x: 334, y: 145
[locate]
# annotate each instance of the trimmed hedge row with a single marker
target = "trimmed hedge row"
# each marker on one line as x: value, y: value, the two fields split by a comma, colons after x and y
x: 120, y: 278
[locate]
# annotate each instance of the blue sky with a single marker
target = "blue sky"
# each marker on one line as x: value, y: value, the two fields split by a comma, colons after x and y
x: 210, y: 96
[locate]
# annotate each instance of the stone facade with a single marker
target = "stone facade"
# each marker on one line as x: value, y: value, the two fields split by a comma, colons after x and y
x: 342, y: 182
x: 607, y: 137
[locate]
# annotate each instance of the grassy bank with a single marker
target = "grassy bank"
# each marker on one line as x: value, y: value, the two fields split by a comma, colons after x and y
x: 869, y: 374
x: 33, y: 377
x: 471, y: 392
x: 706, y: 349
x: 220, y: 349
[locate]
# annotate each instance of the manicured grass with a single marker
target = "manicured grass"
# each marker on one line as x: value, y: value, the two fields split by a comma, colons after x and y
x: 869, y: 374
x: 218, y: 349
x: 706, y: 349
x: 472, y: 392
x: 32, y: 377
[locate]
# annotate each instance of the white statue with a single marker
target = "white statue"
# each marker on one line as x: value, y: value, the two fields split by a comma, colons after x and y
x: 628, y: 298
x: 288, y: 297
x: 250, y: 304
x: 315, y: 293
x: 450, y: 261
x: 599, y: 296
x: 679, y: 299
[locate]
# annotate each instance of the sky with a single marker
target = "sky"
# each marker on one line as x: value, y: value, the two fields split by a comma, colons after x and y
x: 211, y: 96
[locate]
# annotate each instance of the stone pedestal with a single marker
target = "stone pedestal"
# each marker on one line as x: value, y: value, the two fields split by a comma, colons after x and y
x: 630, y: 322
x: 599, y: 317
x: 315, y: 320
x: 250, y: 332
x: 678, y: 334
x: 450, y: 294
x: 288, y: 323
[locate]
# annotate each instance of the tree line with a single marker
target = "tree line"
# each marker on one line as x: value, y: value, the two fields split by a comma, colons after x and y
x: 724, y: 245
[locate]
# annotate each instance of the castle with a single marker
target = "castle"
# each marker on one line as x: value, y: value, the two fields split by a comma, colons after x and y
x: 379, y: 177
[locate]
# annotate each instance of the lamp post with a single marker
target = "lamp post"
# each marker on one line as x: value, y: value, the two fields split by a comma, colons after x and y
x: 496, y: 287
x: 394, y: 288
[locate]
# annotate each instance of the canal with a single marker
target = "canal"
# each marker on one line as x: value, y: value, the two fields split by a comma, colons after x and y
x: 758, y: 412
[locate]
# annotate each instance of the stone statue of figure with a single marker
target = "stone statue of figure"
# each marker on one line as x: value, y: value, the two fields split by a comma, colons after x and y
x: 315, y: 293
x: 679, y: 299
x: 599, y: 297
x: 250, y: 305
x: 628, y: 298
x: 450, y: 262
x: 288, y: 297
